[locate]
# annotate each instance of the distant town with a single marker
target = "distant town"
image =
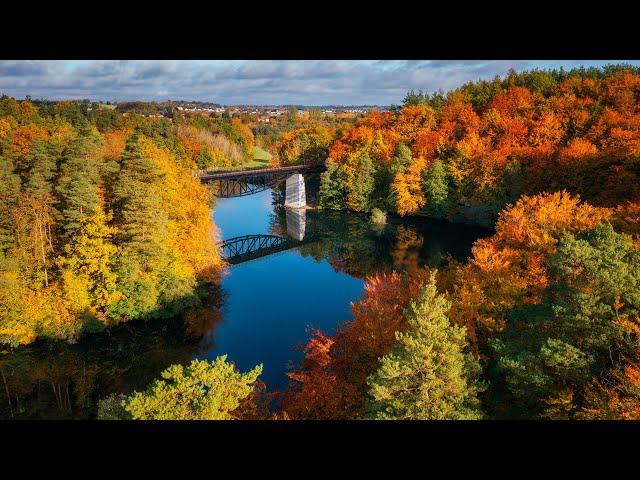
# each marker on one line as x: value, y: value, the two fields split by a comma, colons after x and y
x: 258, y: 113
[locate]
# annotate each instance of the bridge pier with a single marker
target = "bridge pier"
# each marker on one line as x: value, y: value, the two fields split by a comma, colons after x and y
x: 296, y: 195
x: 296, y: 223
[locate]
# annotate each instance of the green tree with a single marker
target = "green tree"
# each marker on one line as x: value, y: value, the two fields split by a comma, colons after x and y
x: 78, y: 184
x: 550, y: 351
x: 37, y: 206
x: 436, y: 189
x: 9, y: 192
x: 385, y: 196
x: 332, y: 194
x: 41, y: 165
x: 141, y: 223
x: 292, y: 115
x: 360, y: 186
x: 201, y: 391
x: 428, y: 375
x: 205, y: 159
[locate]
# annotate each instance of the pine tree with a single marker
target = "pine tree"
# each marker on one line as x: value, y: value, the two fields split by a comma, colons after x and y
x: 141, y: 222
x: 428, y: 375
x: 549, y: 352
x: 399, y: 164
x: 200, y: 391
x: 361, y: 183
x: 78, y: 185
x: 436, y: 189
x: 9, y: 193
x: 41, y: 163
x: 402, y: 159
x: 37, y: 204
x: 332, y: 187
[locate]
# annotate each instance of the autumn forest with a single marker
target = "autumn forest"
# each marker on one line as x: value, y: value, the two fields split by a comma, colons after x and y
x: 104, y: 222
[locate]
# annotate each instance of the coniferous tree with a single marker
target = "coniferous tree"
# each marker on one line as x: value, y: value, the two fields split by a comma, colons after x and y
x: 200, y: 391
x: 360, y: 187
x: 332, y: 187
x: 428, y: 375
x: 141, y: 223
x: 41, y: 163
x: 78, y: 185
x: 38, y: 204
x: 9, y: 194
x: 550, y: 351
x: 436, y: 189
x: 399, y: 164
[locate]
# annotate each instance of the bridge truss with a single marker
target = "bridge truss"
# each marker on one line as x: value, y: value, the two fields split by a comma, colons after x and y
x: 250, y: 247
x: 248, y: 182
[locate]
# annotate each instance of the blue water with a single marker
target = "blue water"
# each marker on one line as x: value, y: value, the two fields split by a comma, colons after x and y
x: 266, y: 308
x: 271, y: 303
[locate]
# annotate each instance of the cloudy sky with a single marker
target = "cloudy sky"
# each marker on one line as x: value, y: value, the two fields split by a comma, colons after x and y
x: 305, y: 82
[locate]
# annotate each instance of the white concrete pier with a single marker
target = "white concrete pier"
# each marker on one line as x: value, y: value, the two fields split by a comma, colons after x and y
x: 296, y: 223
x: 296, y: 196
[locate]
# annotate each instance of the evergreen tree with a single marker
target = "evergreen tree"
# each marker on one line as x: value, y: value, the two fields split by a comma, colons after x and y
x: 332, y: 194
x: 200, y: 391
x: 78, y: 184
x: 141, y: 223
x: 41, y: 164
x: 550, y: 351
x: 384, y: 178
x: 9, y: 192
x: 428, y: 375
x: 402, y: 159
x: 360, y: 185
x: 38, y: 210
x: 436, y: 189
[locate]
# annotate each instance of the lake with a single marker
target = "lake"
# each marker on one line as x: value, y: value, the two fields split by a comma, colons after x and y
x: 264, y: 310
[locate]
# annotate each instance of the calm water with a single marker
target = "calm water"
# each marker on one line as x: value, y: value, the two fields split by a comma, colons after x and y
x: 265, y: 308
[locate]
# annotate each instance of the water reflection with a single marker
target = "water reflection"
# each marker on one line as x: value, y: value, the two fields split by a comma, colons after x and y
x: 296, y: 220
x: 353, y: 245
x: 56, y: 380
x: 267, y: 306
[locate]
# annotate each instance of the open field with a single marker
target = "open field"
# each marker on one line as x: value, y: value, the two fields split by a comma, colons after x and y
x: 259, y: 154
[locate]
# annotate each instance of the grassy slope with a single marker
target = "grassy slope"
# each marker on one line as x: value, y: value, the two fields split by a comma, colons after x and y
x: 260, y: 154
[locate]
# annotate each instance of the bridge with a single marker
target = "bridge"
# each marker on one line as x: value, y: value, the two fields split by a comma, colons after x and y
x: 244, y: 248
x: 247, y: 182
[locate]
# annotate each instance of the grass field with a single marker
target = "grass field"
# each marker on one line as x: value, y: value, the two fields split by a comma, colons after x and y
x: 260, y: 154
x: 260, y: 160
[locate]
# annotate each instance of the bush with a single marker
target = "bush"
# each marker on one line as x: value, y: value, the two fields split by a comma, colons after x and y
x: 378, y: 217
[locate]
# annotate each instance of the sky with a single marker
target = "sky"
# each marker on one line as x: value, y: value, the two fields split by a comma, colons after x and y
x: 254, y: 82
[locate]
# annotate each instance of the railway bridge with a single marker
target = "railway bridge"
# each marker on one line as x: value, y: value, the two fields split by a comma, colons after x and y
x: 245, y: 248
x: 247, y: 182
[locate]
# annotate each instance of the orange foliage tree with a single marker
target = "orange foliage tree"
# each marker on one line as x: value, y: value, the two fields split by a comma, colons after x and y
x: 331, y: 380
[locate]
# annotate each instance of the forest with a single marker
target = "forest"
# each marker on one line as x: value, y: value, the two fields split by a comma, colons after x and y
x: 543, y: 320
x: 101, y: 219
x: 102, y: 222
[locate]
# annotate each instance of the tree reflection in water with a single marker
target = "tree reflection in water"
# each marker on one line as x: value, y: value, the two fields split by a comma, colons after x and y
x: 57, y: 380
x: 351, y: 244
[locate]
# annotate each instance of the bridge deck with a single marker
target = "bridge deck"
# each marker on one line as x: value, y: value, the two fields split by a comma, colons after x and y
x: 239, y: 174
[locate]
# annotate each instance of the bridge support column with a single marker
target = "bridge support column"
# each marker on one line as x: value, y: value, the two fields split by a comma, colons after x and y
x: 296, y: 223
x: 296, y: 197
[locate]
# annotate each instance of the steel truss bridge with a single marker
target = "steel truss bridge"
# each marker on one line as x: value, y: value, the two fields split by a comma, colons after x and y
x: 242, y: 249
x: 248, y: 182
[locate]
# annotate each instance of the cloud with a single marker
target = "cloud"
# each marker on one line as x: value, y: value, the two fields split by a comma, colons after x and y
x: 307, y: 82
